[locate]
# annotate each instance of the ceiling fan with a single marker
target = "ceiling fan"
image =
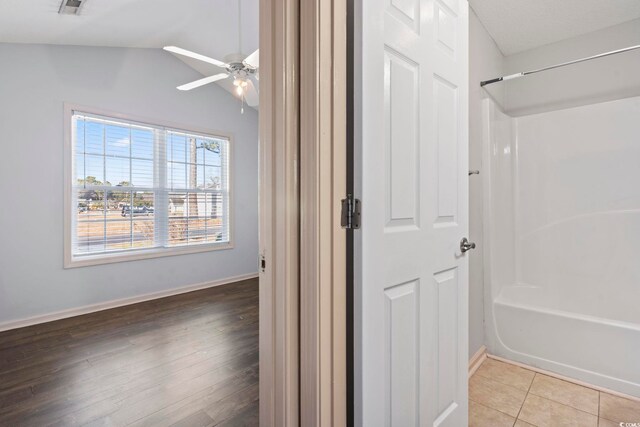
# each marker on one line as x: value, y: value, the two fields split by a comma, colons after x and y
x: 242, y: 70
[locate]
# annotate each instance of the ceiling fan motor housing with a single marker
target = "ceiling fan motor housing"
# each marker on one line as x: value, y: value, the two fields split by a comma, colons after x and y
x: 240, y: 70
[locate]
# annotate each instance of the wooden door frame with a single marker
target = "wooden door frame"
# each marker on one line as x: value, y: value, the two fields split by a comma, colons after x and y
x: 279, y: 213
x: 302, y: 180
x: 323, y: 160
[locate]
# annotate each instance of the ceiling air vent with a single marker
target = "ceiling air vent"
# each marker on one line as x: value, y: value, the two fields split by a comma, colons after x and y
x: 71, y: 7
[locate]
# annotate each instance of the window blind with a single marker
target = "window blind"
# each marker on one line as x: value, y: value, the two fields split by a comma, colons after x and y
x: 137, y: 186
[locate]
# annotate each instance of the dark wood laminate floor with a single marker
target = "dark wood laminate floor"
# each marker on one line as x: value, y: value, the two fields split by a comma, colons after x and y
x: 187, y: 360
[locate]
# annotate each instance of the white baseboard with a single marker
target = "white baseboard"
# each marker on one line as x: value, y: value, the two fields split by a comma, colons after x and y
x: 477, y: 360
x: 563, y: 378
x: 92, y: 308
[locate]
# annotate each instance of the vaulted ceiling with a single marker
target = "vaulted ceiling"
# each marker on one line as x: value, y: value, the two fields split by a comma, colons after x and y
x: 519, y: 25
x: 209, y: 27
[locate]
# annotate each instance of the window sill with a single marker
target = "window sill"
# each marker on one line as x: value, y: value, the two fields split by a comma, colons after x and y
x: 89, y: 260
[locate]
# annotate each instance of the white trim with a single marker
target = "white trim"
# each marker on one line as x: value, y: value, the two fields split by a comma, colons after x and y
x: 477, y: 359
x: 136, y: 255
x: 71, y: 261
x: 92, y: 308
x: 563, y: 378
x: 70, y: 107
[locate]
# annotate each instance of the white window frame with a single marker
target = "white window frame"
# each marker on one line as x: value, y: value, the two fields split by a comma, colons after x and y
x: 71, y: 261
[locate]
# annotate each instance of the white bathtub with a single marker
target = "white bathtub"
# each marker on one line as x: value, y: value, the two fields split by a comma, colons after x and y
x: 562, y: 241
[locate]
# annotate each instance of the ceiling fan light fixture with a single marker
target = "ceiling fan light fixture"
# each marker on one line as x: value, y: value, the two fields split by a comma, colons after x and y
x: 240, y: 85
x: 241, y: 71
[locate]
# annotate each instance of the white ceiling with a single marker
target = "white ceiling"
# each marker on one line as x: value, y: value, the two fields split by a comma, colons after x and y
x: 519, y: 25
x: 209, y: 27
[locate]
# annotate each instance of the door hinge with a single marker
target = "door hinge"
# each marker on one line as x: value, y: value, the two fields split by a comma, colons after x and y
x: 350, y: 213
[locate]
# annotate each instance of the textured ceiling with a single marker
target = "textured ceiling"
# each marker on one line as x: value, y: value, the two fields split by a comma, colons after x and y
x: 519, y: 25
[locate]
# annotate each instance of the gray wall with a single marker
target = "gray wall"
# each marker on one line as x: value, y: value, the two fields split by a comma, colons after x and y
x: 485, y: 62
x: 35, y: 81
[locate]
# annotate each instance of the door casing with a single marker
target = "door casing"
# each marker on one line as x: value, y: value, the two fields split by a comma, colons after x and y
x: 303, y: 179
x: 279, y: 213
x: 323, y: 184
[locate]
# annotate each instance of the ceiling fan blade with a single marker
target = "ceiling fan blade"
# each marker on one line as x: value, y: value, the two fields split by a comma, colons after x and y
x: 184, y: 52
x: 251, y: 95
x: 203, y: 82
x: 253, y: 59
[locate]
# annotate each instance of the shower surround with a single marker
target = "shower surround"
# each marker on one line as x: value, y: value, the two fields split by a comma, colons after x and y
x: 562, y: 240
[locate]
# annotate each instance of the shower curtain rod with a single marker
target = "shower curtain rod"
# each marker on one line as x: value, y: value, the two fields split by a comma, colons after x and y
x: 526, y: 73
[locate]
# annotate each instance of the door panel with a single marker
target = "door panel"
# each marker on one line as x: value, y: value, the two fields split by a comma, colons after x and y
x: 401, y: 124
x: 411, y: 174
x: 401, y: 318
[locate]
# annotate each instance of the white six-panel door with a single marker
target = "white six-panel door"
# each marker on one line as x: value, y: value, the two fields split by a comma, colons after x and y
x: 411, y: 164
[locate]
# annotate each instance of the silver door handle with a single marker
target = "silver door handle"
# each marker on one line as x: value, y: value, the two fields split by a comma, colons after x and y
x: 466, y: 245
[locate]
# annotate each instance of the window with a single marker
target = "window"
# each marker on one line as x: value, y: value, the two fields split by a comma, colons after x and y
x: 140, y: 190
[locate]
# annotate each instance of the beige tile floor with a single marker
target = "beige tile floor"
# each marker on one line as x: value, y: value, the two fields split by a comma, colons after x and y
x: 501, y: 394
